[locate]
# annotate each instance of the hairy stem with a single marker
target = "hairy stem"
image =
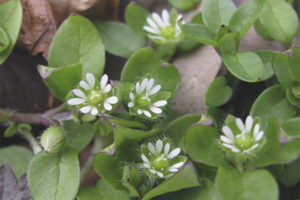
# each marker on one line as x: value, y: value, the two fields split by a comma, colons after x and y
x: 32, y: 141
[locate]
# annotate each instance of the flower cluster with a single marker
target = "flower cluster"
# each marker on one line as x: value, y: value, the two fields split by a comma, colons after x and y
x: 162, y: 30
x: 245, y: 139
x: 159, y: 161
x: 93, y: 97
x: 144, y: 99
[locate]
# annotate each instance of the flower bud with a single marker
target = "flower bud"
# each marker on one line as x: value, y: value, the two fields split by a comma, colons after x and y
x: 53, y: 140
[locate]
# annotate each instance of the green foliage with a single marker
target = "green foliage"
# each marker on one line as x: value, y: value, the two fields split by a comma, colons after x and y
x: 17, y: 157
x: 168, y: 77
x: 52, y: 176
x: 136, y: 17
x: 251, y: 185
x: 10, y: 25
x: 218, y: 93
x: 77, y: 41
x: 119, y: 39
x: 291, y: 128
x: 184, y: 5
x: 187, y: 178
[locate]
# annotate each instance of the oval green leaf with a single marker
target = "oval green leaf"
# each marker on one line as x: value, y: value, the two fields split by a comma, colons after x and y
x: 136, y: 18
x: 184, y: 5
x: 77, y: 41
x: 199, y: 33
x: 54, y: 176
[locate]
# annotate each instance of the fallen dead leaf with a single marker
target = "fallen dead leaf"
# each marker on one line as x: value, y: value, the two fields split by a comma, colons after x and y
x: 38, y: 27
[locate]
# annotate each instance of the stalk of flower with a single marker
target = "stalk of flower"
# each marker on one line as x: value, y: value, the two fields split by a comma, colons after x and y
x: 146, y: 99
x: 245, y: 139
x: 159, y: 161
x: 163, y: 29
x: 92, y: 96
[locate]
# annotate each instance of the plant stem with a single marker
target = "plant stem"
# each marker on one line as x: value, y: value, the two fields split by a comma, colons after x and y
x: 97, y: 146
x: 32, y: 141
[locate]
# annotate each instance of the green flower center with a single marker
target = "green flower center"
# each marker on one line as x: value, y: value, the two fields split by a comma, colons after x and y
x: 144, y: 101
x: 161, y: 163
x: 244, y: 141
x: 168, y: 32
x: 95, y: 97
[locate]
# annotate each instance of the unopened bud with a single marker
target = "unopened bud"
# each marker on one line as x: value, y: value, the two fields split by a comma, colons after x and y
x: 53, y: 140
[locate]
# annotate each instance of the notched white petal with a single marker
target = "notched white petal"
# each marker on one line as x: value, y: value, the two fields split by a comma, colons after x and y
x: 139, y: 111
x: 107, y: 88
x: 226, y: 139
x: 259, y: 136
x: 165, y: 16
x: 94, y: 111
x: 155, y: 90
x: 177, y: 165
x: 85, y: 109
x: 84, y: 85
x: 130, y: 104
x: 79, y: 93
x: 151, y: 148
x: 152, y: 23
x: 147, y: 113
x: 227, y: 131
x: 249, y: 123
x: 112, y: 100
x: 75, y: 101
x: 240, y: 124
x: 103, y: 82
x: 174, y: 153
x: 151, y: 30
x: 145, y: 159
x: 160, y: 174
x: 160, y: 103
x: 156, y: 110
x: 131, y: 96
x: 107, y: 106
x: 90, y: 79
x: 166, y: 149
x: 159, y: 146
x: 256, y: 129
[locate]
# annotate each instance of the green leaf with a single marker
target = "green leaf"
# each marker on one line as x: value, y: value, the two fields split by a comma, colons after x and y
x: 246, y: 66
x: 184, y: 5
x: 10, y: 22
x: 109, y: 168
x: 107, y: 192
x: 61, y: 81
x: 11, y: 130
x: 119, y: 39
x: 217, y: 13
x: 245, y: 16
x: 136, y: 18
x: 250, y: 185
x: 294, y: 63
x: 218, y: 93
x: 54, y: 176
x: 199, y: 33
x: 280, y: 21
x: 127, y: 183
x: 201, y: 145
x: 4, y: 40
x: 78, y: 136
x: 261, y: 31
x: 291, y: 128
x: 206, y: 191
x: 273, y: 103
x: 274, y: 153
x: 124, y: 122
x: 177, y: 128
x: 126, y: 150
x: 282, y: 70
x: 144, y: 62
x: 229, y: 43
x: 291, y: 174
x: 88, y: 193
x: 187, y: 177
x: 17, y: 157
x: 134, y: 134
x: 266, y: 57
x: 77, y: 41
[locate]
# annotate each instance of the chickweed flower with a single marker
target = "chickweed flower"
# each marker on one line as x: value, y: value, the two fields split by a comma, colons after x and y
x: 92, y: 96
x: 160, y: 161
x: 245, y: 138
x: 162, y: 29
x: 146, y: 100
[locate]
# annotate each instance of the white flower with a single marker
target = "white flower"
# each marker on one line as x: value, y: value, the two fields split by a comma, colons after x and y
x: 141, y: 99
x: 92, y: 97
x: 160, y: 29
x: 160, y: 161
x: 246, y: 140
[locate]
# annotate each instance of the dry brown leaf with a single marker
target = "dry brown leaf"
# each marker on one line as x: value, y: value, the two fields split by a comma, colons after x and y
x: 100, y: 9
x: 38, y: 27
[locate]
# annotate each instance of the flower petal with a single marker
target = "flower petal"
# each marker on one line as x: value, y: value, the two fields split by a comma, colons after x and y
x: 227, y: 131
x: 249, y: 123
x: 90, y: 78
x: 157, y: 37
x: 166, y: 149
x: 231, y: 147
x: 250, y: 149
x: 151, y: 148
x: 145, y: 159
x: 156, y: 110
x: 155, y: 90
x: 174, y: 153
x: 107, y: 88
x: 130, y: 104
x: 226, y: 139
x: 131, y: 96
x: 85, y: 109
x: 158, y: 20
x: 240, y: 124
x: 158, y: 146
x: 151, y: 23
x: 160, y: 103
x: 147, y: 113
x: 151, y: 30
x: 103, y: 82
x: 107, y: 106
x: 79, y: 93
x: 160, y: 174
x: 165, y: 16
x: 146, y: 165
x: 139, y: 111
x: 150, y: 85
x: 177, y: 165
x: 112, y: 100
x: 256, y: 129
x: 84, y: 85
x: 144, y: 84
x: 94, y: 111
x: 75, y: 101
x: 173, y: 170
x: 152, y: 171
x: 259, y: 136
x: 137, y: 88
